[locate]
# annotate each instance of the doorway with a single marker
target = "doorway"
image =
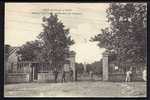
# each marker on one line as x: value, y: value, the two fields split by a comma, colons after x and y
x: 34, y: 73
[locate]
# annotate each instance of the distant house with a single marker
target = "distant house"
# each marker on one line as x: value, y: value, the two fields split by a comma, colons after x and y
x: 13, y: 58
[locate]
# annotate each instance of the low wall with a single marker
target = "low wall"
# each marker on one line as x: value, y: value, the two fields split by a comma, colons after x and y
x: 49, y: 77
x: 17, y: 78
x: 121, y: 77
x: 45, y: 77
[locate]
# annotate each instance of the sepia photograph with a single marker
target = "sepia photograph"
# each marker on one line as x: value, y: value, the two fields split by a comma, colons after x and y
x: 75, y: 49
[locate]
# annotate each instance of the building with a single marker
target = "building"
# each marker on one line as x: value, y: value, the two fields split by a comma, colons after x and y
x: 28, y: 71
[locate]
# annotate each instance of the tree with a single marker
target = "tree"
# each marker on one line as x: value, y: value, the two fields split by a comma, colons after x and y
x: 96, y: 67
x: 7, y: 47
x: 127, y: 33
x: 56, y: 40
x: 30, y: 51
x: 52, y: 45
x: 79, y: 68
x: 6, y: 55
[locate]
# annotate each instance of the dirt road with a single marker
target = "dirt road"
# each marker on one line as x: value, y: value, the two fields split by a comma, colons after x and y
x: 76, y: 89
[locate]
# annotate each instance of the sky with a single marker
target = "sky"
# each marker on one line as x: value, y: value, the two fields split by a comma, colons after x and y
x: 85, y: 20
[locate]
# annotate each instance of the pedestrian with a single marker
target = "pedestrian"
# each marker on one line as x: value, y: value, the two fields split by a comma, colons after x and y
x: 55, y: 74
x: 128, y: 76
x: 63, y: 76
x: 91, y: 75
x: 144, y: 76
x: 66, y: 70
x: 71, y: 74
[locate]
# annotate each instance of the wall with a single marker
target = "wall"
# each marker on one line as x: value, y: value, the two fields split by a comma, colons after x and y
x: 45, y: 77
x: 121, y: 77
x: 17, y: 77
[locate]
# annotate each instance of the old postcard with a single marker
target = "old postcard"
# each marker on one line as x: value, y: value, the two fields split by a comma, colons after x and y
x: 75, y: 50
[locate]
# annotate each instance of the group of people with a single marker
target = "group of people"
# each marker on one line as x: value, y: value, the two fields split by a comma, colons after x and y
x: 66, y: 74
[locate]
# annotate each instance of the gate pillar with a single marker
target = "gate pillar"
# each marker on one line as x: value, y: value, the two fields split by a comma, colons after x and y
x: 105, y: 66
x: 72, y: 62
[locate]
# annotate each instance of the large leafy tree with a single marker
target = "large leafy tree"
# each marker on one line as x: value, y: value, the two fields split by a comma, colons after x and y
x: 126, y: 36
x: 56, y: 40
x: 52, y: 45
x: 30, y: 51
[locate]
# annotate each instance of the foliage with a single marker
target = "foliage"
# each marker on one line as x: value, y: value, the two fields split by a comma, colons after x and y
x: 56, y: 40
x: 79, y: 67
x: 127, y: 33
x: 30, y: 51
x: 52, y: 45
x: 6, y: 48
x: 96, y: 67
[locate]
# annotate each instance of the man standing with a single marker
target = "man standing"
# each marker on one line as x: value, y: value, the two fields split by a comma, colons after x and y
x: 55, y: 74
x: 71, y: 74
x: 91, y: 74
x: 128, y: 75
x: 65, y: 71
x: 144, y: 75
x: 63, y: 76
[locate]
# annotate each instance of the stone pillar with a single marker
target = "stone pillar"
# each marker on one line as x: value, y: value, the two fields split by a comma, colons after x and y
x: 72, y: 62
x: 30, y: 71
x: 105, y: 67
x: 85, y: 69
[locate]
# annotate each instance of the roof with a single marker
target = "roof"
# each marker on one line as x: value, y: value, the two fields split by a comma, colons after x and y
x: 12, y: 50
